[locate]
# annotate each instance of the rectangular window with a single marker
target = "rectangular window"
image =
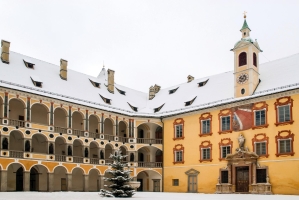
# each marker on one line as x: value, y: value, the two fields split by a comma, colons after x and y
x: 225, y: 123
x: 175, y: 182
x: 284, y: 113
x: 224, y: 176
x: 206, y: 154
x: 260, y: 148
x: 284, y: 146
x: 178, y: 156
x: 225, y: 150
x: 261, y: 176
x: 179, y: 131
x: 205, y: 126
x: 260, y: 117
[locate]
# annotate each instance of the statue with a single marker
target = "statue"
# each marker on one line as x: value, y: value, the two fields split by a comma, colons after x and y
x: 241, y: 141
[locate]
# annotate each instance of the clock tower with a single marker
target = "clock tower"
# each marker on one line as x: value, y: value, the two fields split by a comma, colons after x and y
x: 246, y: 63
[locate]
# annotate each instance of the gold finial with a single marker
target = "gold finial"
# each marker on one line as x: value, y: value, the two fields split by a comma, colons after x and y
x: 244, y: 14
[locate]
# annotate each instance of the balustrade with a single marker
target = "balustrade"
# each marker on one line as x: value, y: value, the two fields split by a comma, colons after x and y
x: 150, y: 164
x: 109, y: 137
x: 14, y: 122
x: 16, y: 154
x: 78, y: 132
x: 77, y: 159
x: 60, y: 129
x: 94, y: 135
x: 149, y: 141
x: 61, y: 158
x: 94, y: 161
x: 123, y: 139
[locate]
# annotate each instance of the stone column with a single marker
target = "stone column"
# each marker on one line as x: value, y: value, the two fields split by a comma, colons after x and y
x: 86, y: 183
x: 26, y: 181
x: 3, y: 181
x: 101, y: 182
x: 50, y: 182
x: 69, y: 182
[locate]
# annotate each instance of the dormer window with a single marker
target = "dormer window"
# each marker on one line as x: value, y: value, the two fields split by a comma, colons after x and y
x: 133, y: 107
x: 159, y: 108
x: 120, y: 91
x: 36, y: 81
x: 108, y: 101
x: 173, y: 91
x: 188, y: 103
x: 29, y: 64
x: 200, y: 84
x: 95, y: 84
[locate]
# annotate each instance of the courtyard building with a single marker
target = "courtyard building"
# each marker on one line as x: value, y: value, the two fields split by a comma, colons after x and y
x: 233, y: 132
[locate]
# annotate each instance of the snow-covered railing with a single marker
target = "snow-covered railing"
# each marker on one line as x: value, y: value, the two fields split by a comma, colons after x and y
x: 149, y: 141
x: 150, y: 164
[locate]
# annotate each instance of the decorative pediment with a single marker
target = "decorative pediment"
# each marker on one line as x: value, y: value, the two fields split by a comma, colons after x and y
x: 242, y: 155
x: 192, y: 172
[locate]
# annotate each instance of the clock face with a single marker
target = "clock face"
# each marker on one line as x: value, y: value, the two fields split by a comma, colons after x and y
x: 242, y: 78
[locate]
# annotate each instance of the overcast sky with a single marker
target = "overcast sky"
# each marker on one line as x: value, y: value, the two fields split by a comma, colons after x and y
x: 148, y: 42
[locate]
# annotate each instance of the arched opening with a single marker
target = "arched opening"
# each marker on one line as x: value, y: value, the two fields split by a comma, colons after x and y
x: 77, y: 180
x: 108, y: 127
x: 16, y: 112
x: 242, y: 59
x: 39, y: 144
x: 60, y: 118
x: 51, y: 148
x: 78, y: 148
x: 60, y: 179
x: 94, y: 149
x: 94, y: 182
x: 77, y: 121
x: 39, y: 114
x: 150, y: 181
x: 60, y: 149
x: 140, y: 133
x: 254, y: 59
x: 93, y: 124
x: 159, y: 132
x: 27, y: 146
x: 108, y: 151
x: 16, y: 141
x: 102, y: 154
x: 122, y: 129
x: 86, y: 152
x: 39, y: 178
x: 159, y: 156
x: 33, y: 179
x: 4, y: 143
x: 132, y: 157
x: 123, y: 152
x: 15, y: 177
x: 140, y: 157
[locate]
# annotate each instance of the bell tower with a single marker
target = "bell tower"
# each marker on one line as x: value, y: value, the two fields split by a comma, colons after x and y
x: 246, y: 63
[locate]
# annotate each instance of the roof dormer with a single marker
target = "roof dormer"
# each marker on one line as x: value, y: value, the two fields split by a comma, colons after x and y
x: 29, y: 64
x: 106, y: 100
x: 36, y: 81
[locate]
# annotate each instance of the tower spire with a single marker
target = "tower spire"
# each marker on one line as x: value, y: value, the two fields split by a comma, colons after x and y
x: 245, y: 25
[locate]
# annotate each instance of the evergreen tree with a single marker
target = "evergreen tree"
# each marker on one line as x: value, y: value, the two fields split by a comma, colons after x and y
x: 120, y: 178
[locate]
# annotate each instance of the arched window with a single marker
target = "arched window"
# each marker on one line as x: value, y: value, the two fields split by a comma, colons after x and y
x: 5, y: 143
x: 101, y: 155
x: 86, y: 152
x: 69, y: 151
x: 51, y: 149
x: 132, y: 157
x: 27, y: 146
x: 242, y: 59
x: 254, y: 59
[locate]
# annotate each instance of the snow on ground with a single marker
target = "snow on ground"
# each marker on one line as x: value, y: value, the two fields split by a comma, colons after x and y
x: 139, y: 195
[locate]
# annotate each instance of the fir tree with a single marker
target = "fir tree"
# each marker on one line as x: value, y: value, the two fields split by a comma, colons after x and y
x: 120, y: 178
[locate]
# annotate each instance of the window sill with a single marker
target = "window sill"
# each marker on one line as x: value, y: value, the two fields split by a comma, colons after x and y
x: 284, y: 123
x: 206, y: 160
x: 225, y: 132
x: 181, y: 162
x: 180, y: 138
x: 205, y: 134
x: 222, y: 159
x: 263, y: 156
x: 285, y: 154
x: 261, y: 126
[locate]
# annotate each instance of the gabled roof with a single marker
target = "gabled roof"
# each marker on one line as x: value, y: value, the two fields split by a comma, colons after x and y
x: 276, y: 76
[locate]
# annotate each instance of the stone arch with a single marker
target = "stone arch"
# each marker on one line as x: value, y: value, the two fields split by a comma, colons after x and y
x: 93, y: 122
x: 16, y: 111
x: 60, y: 178
x: 16, y: 139
x: 77, y: 179
x: 143, y: 131
x: 15, y: 177
x: 122, y: 129
x: 39, y: 178
x: 78, y: 148
x: 108, y: 126
x: 108, y: 151
x: 77, y: 120
x: 39, y: 143
x: 60, y: 145
x: 94, y: 180
x: 94, y: 149
x: 39, y: 113
x: 60, y: 117
x: 147, y: 179
x: 124, y: 152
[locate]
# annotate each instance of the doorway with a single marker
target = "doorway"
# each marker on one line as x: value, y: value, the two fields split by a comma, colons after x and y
x: 192, y: 183
x: 141, y: 185
x: 19, y: 179
x: 33, y: 180
x: 242, y: 179
x: 156, y: 185
x: 63, y: 184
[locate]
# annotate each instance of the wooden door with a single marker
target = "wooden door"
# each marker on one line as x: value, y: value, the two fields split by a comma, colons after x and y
x: 63, y: 184
x: 192, y: 183
x: 242, y: 179
x: 156, y: 185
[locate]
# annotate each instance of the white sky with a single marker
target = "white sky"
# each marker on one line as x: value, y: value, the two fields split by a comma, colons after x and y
x: 148, y: 42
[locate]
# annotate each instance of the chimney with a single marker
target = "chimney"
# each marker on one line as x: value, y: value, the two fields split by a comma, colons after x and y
x: 5, y: 51
x: 190, y: 78
x: 151, y: 93
x: 63, y: 69
x: 157, y: 88
x: 110, y: 81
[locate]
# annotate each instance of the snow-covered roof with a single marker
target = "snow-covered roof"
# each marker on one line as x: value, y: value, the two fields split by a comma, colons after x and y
x: 218, y: 90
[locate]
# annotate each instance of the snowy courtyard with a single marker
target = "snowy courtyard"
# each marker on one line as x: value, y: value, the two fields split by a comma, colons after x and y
x: 139, y: 195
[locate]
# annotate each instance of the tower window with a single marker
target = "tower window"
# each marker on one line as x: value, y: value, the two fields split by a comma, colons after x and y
x: 244, y: 33
x: 254, y: 59
x: 242, y: 59
x: 243, y: 91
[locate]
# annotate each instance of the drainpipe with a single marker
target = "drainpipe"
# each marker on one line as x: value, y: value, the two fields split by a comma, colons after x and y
x: 161, y: 118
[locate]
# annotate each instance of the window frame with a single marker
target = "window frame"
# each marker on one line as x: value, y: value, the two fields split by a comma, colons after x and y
x: 224, y: 142
x: 175, y: 182
x: 259, y: 138
x: 224, y: 170
x: 267, y: 173
x: 225, y: 113
x: 176, y: 122
x: 205, y: 117
x: 257, y: 107
x: 283, y: 101
x: 284, y: 135
x: 242, y: 59
x: 205, y: 145
x: 177, y: 148
x: 254, y: 57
